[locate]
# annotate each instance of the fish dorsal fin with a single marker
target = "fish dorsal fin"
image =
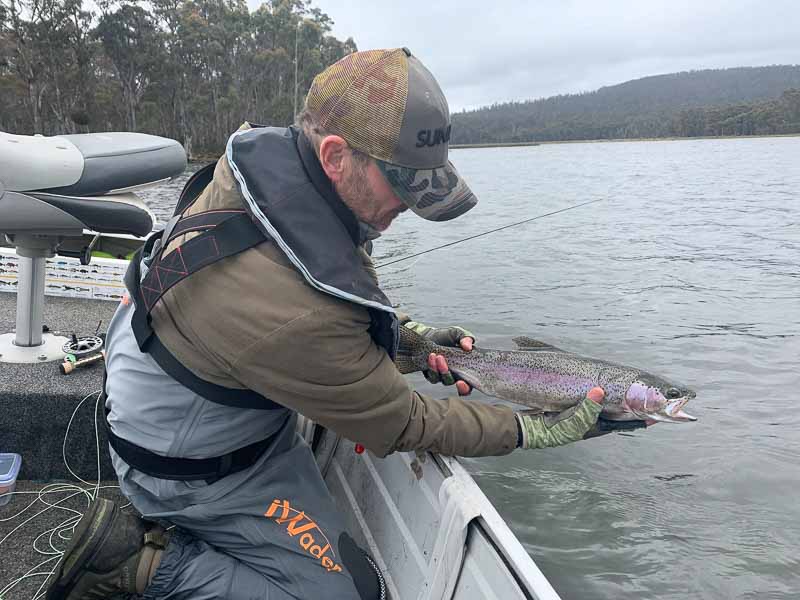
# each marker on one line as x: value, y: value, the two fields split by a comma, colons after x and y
x: 526, y: 343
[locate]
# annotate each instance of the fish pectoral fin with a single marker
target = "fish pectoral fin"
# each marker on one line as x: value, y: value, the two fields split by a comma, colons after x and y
x: 526, y: 343
x: 465, y: 375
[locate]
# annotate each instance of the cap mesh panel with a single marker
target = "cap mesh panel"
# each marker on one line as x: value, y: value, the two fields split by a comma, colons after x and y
x: 363, y: 99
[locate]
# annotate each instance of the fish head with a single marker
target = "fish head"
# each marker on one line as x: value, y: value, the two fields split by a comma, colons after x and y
x: 650, y: 397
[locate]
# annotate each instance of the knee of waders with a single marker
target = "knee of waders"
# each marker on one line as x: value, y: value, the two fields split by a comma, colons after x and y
x: 365, y: 573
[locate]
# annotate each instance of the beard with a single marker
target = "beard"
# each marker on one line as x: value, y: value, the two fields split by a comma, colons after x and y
x: 358, y: 196
x: 355, y: 193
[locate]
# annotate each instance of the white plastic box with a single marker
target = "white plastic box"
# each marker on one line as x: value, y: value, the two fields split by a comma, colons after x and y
x: 9, y: 469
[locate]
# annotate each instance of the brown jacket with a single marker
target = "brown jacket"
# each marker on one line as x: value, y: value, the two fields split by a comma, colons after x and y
x: 251, y: 321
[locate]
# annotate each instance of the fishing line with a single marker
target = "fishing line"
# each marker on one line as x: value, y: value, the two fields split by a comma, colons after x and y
x: 63, y: 530
x: 477, y: 235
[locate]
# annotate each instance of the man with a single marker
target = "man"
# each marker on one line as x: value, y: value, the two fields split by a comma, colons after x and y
x: 258, y: 302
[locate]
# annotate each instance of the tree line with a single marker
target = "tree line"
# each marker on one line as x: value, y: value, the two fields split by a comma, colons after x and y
x: 740, y: 101
x: 779, y: 116
x: 191, y: 70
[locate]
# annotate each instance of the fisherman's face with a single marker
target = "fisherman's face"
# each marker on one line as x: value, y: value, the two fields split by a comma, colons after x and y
x: 366, y: 192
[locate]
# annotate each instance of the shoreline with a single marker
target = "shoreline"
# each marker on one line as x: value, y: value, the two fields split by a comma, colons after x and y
x: 617, y: 140
x: 209, y: 158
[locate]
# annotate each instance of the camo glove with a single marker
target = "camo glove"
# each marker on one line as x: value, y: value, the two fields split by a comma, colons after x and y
x: 443, y: 336
x: 548, y: 431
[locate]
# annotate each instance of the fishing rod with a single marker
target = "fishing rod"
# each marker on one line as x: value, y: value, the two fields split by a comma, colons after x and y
x: 477, y: 235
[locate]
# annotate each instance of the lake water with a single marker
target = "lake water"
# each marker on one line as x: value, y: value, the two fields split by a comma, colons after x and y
x: 689, y: 267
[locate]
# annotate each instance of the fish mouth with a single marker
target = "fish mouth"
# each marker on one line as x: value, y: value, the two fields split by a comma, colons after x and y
x: 660, y: 409
x: 673, y: 411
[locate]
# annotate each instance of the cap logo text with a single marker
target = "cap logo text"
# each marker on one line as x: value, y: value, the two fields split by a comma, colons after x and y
x: 433, y: 137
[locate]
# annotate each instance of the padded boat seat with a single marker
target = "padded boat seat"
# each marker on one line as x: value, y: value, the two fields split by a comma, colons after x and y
x: 53, y: 214
x: 89, y: 164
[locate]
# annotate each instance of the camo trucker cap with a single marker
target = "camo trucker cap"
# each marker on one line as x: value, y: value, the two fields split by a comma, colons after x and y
x: 386, y: 104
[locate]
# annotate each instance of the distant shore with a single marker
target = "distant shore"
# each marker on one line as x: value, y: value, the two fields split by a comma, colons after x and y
x: 600, y: 141
x: 208, y: 157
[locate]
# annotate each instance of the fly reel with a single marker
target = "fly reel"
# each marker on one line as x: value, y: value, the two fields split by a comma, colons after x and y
x: 80, y: 347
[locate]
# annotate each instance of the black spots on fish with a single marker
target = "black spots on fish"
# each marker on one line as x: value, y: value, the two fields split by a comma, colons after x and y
x: 405, y: 363
x: 413, y: 351
x: 413, y: 343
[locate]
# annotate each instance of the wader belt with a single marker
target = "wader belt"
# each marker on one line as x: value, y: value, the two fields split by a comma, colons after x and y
x: 181, y: 469
x: 184, y: 469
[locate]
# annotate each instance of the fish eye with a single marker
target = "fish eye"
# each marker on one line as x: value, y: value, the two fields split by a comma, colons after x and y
x: 673, y: 393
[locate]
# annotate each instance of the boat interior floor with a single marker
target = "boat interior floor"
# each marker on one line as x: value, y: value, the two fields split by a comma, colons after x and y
x: 37, y: 401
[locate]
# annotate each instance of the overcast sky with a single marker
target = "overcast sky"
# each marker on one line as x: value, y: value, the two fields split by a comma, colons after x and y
x: 493, y: 50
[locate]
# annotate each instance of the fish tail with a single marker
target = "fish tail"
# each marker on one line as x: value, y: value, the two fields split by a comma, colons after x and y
x: 412, y: 347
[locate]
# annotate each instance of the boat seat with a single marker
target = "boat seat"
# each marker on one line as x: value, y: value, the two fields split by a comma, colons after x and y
x: 54, y: 214
x: 90, y: 164
x: 54, y: 188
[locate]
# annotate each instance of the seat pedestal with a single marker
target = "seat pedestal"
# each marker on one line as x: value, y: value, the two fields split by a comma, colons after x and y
x: 49, y: 350
x: 29, y: 344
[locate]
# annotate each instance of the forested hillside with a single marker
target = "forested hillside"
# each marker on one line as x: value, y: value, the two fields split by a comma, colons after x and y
x: 740, y: 101
x: 194, y: 69
x: 187, y: 69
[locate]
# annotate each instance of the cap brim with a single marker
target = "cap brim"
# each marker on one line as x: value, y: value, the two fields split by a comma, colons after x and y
x: 434, y: 194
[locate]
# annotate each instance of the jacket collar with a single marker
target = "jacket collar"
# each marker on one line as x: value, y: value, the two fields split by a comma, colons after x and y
x: 324, y: 186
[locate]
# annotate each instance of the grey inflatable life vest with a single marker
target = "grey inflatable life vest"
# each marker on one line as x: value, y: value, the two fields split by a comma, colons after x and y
x: 273, y: 164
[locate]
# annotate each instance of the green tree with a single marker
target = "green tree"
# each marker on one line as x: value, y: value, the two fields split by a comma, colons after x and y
x: 188, y: 69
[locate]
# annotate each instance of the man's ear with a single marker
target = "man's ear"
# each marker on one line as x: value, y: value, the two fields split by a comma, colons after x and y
x: 333, y: 153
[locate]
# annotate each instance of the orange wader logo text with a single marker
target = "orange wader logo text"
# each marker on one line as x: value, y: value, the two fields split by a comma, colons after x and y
x: 311, y: 539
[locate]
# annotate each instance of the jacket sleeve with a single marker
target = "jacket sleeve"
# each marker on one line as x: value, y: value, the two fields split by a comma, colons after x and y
x: 325, y: 365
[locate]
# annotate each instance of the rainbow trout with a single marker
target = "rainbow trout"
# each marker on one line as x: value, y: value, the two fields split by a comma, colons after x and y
x: 548, y: 379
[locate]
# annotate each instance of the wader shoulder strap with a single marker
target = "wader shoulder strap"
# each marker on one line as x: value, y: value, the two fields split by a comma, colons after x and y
x: 221, y: 234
